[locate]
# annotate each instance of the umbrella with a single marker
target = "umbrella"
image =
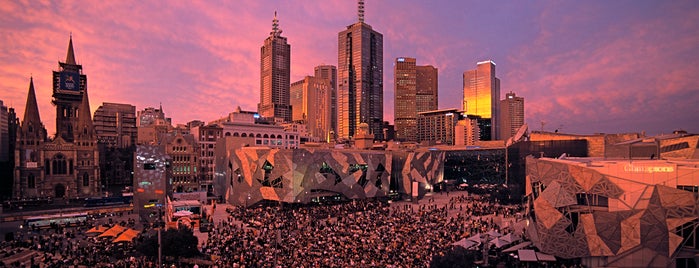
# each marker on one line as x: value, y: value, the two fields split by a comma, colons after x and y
x: 126, y: 236
x: 493, y: 233
x: 475, y: 238
x: 465, y: 243
x: 97, y: 230
x: 114, y: 231
x: 499, y: 242
x: 509, y: 238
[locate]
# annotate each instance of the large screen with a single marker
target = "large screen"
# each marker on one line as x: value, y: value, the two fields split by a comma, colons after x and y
x: 70, y: 81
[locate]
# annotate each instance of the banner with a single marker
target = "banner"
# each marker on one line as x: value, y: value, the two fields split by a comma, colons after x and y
x: 70, y: 81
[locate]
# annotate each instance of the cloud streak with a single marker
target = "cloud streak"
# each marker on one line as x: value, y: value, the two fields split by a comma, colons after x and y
x: 588, y: 67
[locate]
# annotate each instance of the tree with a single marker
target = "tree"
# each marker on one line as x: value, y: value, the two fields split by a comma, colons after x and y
x: 176, y: 243
x: 454, y: 257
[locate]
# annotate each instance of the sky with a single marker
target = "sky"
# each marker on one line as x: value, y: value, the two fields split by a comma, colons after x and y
x: 582, y: 67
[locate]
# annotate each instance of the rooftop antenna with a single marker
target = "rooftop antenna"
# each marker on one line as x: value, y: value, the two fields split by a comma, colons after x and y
x: 543, y: 123
x: 360, y: 11
x: 275, y: 26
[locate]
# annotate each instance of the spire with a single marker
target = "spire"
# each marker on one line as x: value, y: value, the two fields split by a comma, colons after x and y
x: 360, y: 10
x: 70, y: 57
x: 275, y: 26
x: 31, y: 110
x: 85, y: 126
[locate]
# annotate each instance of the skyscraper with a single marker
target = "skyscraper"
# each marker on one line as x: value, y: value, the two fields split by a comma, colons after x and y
x: 511, y: 115
x: 310, y: 98
x: 360, y: 79
x: 330, y: 72
x: 115, y: 124
x: 415, y: 92
x: 4, y: 134
x: 275, y: 68
x: 482, y: 97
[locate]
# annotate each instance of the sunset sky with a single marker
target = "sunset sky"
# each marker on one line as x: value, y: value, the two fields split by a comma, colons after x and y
x: 582, y: 66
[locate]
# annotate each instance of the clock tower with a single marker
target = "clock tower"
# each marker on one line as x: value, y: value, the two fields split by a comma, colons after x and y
x: 69, y: 86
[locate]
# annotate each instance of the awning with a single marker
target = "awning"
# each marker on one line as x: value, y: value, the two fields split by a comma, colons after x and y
x: 126, y: 236
x: 545, y: 257
x: 527, y: 255
x: 518, y: 247
x: 97, y: 230
x: 465, y: 243
x: 112, y: 232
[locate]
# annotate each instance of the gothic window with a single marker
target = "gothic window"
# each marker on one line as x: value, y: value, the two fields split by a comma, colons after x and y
x: 86, y: 180
x: 59, y: 165
x: 31, y: 181
x: 47, y: 167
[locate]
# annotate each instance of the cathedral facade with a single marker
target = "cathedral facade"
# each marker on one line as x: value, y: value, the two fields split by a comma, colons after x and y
x: 66, y: 165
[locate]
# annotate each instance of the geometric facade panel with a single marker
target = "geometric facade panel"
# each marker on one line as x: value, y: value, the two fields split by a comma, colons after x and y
x: 256, y: 174
x: 618, y: 212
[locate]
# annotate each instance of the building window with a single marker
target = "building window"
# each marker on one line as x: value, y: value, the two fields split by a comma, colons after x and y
x: 86, y: 180
x: 59, y: 166
x: 31, y: 181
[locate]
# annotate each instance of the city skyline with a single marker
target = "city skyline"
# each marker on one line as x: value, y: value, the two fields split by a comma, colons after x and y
x: 626, y: 66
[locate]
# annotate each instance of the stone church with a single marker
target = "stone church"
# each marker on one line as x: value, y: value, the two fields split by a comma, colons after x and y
x: 67, y: 165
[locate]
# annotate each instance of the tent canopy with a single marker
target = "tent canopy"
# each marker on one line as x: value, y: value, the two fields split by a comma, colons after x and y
x: 112, y: 232
x: 527, y: 255
x: 126, y: 236
x: 465, y: 243
x: 97, y: 229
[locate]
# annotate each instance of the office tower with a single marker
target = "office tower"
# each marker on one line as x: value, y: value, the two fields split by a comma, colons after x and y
x: 330, y: 72
x: 437, y: 127
x: 360, y: 79
x: 482, y: 97
x: 207, y: 136
x: 115, y: 124
x: 275, y: 68
x: 4, y: 134
x: 511, y: 115
x: 151, y: 123
x: 415, y: 92
x: 311, y: 99
x: 467, y: 131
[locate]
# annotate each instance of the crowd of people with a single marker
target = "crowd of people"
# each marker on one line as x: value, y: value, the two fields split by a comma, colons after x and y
x: 361, y: 233
x: 358, y: 233
x: 70, y: 246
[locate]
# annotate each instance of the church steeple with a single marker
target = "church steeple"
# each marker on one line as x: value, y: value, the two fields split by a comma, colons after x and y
x: 31, y: 124
x: 70, y: 57
x: 85, y: 127
x: 31, y: 110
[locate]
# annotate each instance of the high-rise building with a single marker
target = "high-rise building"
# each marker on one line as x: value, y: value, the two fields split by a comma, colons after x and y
x: 275, y: 69
x: 511, y: 115
x: 207, y: 136
x: 4, y: 133
x: 310, y: 98
x: 437, y: 127
x: 151, y: 123
x: 360, y: 79
x: 482, y: 97
x: 330, y: 72
x: 115, y: 124
x: 467, y: 131
x: 415, y: 92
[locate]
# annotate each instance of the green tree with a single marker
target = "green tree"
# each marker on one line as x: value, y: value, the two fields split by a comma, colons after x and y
x: 176, y: 243
x: 453, y: 257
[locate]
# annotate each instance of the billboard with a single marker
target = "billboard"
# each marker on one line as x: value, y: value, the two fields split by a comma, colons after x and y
x: 70, y: 81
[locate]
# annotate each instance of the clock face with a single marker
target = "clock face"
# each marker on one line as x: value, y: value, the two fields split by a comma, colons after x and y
x: 70, y: 81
